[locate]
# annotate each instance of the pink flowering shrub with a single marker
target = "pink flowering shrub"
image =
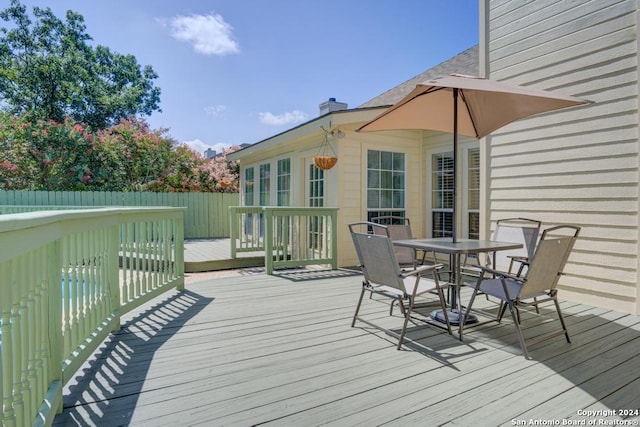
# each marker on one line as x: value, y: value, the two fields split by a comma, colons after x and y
x: 45, y: 155
x: 191, y: 172
x: 67, y: 156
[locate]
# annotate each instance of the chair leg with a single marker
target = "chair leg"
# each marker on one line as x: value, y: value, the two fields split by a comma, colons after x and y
x: 407, y: 314
x: 358, y: 306
x: 502, y: 309
x: 399, y: 304
x: 564, y: 327
x: 516, y: 323
x: 468, y: 310
x: 443, y: 304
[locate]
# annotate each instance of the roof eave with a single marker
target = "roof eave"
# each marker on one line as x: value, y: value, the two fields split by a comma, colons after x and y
x: 334, y: 118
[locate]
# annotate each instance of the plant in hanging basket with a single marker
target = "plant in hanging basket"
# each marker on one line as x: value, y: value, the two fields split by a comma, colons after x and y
x: 325, y: 162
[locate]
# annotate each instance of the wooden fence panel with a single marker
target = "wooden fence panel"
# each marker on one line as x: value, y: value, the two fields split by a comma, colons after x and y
x: 206, y: 215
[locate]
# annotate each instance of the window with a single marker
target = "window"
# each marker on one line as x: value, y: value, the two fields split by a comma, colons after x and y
x: 248, y: 186
x: 316, y: 199
x: 316, y: 186
x: 284, y: 182
x: 473, y: 204
x: 264, y: 195
x: 385, y: 183
x: 442, y: 193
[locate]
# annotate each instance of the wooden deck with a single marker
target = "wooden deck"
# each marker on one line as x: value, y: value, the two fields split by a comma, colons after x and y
x: 279, y: 350
x: 215, y: 254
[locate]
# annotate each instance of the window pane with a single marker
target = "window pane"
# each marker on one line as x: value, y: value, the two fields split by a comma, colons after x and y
x: 284, y: 182
x: 386, y: 199
x: 386, y: 160
x: 398, y: 181
x: 474, y: 193
x: 385, y: 183
x: 474, y: 225
x: 442, y: 194
x: 248, y: 187
x: 398, y: 199
x: 442, y: 224
x: 373, y: 199
x: 387, y: 179
x: 398, y: 162
x: 316, y: 186
x: 373, y: 159
x: 373, y: 179
x: 265, y: 185
x: 474, y: 178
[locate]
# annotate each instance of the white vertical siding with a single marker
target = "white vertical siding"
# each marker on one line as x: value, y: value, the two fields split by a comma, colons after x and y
x: 578, y: 166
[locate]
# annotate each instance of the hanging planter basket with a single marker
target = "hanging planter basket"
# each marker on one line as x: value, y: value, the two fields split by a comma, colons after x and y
x: 325, y: 162
x: 326, y: 158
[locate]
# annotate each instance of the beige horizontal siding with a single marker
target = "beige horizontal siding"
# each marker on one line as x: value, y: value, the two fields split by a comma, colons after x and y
x: 352, y: 181
x: 580, y: 165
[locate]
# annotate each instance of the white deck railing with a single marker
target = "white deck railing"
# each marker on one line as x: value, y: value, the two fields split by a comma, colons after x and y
x: 289, y: 236
x: 66, y: 277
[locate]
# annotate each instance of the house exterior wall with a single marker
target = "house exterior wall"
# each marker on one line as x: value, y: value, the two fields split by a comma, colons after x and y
x: 353, y: 181
x: 578, y: 166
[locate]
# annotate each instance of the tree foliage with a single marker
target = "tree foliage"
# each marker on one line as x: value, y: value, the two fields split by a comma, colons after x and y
x: 49, y: 71
x: 70, y: 115
x: 67, y: 156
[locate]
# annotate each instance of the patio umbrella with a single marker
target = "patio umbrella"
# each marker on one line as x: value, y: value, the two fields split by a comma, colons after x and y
x: 466, y: 105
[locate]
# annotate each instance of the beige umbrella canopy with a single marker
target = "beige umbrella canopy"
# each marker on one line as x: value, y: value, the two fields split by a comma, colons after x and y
x: 466, y: 105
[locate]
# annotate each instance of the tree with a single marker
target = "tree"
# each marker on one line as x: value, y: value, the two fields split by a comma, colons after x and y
x: 50, y: 72
x: 134, y: 155
x: 67, y: 156
x: 48, y: 155
x: 188, y: 171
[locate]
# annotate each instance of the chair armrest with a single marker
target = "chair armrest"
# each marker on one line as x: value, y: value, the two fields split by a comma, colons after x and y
x: 499, y: 273
x: 421, y: 270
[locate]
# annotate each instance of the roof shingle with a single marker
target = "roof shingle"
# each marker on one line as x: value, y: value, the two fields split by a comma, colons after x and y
x: 467, y: 62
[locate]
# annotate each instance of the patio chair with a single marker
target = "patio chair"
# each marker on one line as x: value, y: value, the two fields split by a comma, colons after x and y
x: 518, y: 230
x: 540, y: 280
x: 398, y: 228
x: 383, y: 276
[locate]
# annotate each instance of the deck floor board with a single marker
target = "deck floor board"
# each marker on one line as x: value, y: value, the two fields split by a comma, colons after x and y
x: 279, y: 350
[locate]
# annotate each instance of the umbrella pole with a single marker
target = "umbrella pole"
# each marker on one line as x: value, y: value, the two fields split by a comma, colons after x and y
x: 455, y: 164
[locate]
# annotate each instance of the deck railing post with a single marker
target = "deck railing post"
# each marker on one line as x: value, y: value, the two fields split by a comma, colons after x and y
x: 334, y: 239
x: 54, y: 311
x: 268, y: 239
x: 113, y: 282
x: 179, y: 250
x: 234, y: 221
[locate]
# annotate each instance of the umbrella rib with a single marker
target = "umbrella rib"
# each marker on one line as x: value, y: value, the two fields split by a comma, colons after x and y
x: 426, y: 92
x: 471, y: 112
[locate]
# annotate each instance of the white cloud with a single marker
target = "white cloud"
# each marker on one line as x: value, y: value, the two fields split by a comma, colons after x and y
x: 293, y: 117
x: 208, y: 34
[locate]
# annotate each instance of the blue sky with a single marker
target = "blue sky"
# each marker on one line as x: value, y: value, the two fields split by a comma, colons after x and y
x: 240, y: 71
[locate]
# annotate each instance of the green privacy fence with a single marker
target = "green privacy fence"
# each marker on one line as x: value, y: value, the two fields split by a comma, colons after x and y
x: 206, y: 214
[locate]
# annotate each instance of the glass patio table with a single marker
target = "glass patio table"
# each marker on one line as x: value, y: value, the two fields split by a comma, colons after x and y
x: 455, y: 250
